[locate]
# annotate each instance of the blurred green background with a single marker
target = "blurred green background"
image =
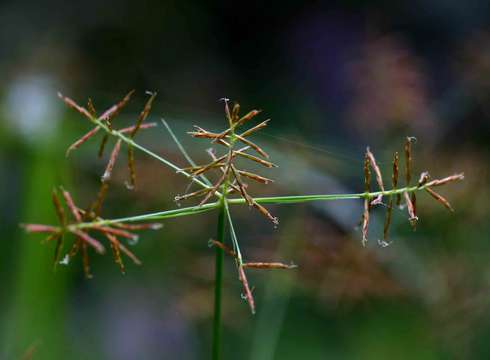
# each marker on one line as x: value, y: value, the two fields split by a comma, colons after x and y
x: 334, y: 77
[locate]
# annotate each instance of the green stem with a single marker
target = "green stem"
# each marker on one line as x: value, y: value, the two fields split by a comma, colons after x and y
x: 218, y: 283
x: 130, y: 142
x: 198, y: 209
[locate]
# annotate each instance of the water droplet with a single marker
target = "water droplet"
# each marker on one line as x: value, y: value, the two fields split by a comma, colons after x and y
x: 156, y: 226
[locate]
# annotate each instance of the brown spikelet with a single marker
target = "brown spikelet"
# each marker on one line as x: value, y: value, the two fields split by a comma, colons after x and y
x: 365, y: 222
x: 116, y: 232
x: 250, y: 115
x: 367, y: 175
x: 123, y: 249
x: 255, y: 177
x: 114, y: 109
x: 367, y: 205
x: 131, y: 167
x: 71, y: 205
x: 241, y: 186
x: 235, y: 112
x: 143, y: 115
x: 86, y: 261
x: 129, y: 254
x: 58, y: 249
x: 377, y: 171
x: 70, y: 103
x: 112, y: 160
x: 196, y: 193
x: 75, y: 247
x: 227, y: 250
x: 268, y: 265
x: 142, y: 127
x: 387, y: 224
x: 439, y: 182
x: 220, y: 181
x: 262, y: 162
x: 91, y: 108
x: 379, y: 178
x: 413, y: 199
x: 198, y: 170
x: 40, y: 228
x: 250, y: 131
x: 96, y: 206
x: 89, y: 240
x: 265, y: 212
x: 252, y: 145
x: 60, y: 212
x: 212, y: 191
x: 204, y: 134
x: 411, y: 211
x: 103, y: 143
x: 394, y: 178
x: 217, y: 162
x: 389, y: 209
x: 82, y: 140
x: 116, y: 252
x: 227, y: 111
x: 440, y: 199
x: 408, y: 159
x: 246, y: 289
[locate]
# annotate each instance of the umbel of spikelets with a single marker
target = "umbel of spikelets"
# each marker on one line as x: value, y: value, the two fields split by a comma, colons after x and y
x: 237, y: 145
x: 409, y: 200
x: 84, y: 225
x: 107, y: 119
x: 242, y: 266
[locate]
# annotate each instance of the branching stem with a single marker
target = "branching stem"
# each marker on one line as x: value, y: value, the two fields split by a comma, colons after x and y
x: 130, y: 142
x: 198, y: 209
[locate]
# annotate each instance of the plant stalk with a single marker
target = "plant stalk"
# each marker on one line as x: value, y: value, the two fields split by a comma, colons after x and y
x: 218, y: 282
x: 197, y: 209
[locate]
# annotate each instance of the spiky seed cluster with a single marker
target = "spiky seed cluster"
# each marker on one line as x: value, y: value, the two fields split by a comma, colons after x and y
x: 231, y: 179
x: 247, y: 292
x: 83, y: 235
x: 410, y: 199
x: 106, y: 119
x: 84, y: 222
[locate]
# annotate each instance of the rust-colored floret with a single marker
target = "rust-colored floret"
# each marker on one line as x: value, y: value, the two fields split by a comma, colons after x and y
x: 106, y: 120
x: 408, y: 193
x: 231, y: 178
x: 247, y: 293
x: 85, y: 224
x: 379, y: 177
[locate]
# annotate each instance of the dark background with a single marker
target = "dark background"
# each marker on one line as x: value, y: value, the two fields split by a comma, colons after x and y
x: 334, y: 77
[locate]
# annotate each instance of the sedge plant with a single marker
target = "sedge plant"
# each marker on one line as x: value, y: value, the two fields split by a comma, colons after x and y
x: 217, y: 185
